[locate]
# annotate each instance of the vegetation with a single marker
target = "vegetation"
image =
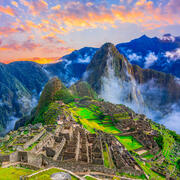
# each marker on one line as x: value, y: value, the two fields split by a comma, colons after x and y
x: 159, y: 140
x: 51, y: 115
x: 13, y: 173
x: 90, y: 119
x: 46, y: 175
x: 129, y: 142
x: 63, y: 95
x: 90, y: 178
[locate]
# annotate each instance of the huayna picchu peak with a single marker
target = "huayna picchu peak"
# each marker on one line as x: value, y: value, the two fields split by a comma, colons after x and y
x: 74, y: 132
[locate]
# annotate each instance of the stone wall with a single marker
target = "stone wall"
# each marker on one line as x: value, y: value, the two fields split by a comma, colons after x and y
x: 34, y: 159
x: 4, y: 158
x: 59, y: 148
x: 78, y: 166
x: 34, y: 139
x: 14, y: 157
x: 130, y: 171
x: 49, y: 138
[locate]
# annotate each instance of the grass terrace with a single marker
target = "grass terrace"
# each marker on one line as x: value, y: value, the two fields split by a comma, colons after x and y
x: 91, y: 118
x: 129, y: 142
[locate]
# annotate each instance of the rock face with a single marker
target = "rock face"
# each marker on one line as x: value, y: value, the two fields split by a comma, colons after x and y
x: 61, y: 176
x: 81, y: 89
x: 48, y: 93
x: 110, y: 76
x: 117, y: 81
x: 71, y: 67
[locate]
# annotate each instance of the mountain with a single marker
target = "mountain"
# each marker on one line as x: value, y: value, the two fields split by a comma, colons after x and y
x: 144, y: 90
x: 90, y: 136
x: 30, y: 74
x: 20, y: 85
x: 13, y: 99
x: 161, y: 54
x: 138, y: 87
x: 82, y: 88
x: 71, y: 67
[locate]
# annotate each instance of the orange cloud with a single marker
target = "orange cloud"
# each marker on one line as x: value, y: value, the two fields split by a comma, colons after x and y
x: 36, y: 7
x: 56, y: 7
x: 27, y: 45
x: 40, y: 60
x: 7, y: 30
x: 52, y: 38
x: 14, y: 3
x: 7, y: 10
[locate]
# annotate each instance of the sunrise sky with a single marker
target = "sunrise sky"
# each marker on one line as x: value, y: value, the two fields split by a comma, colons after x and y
x: 53, y: 28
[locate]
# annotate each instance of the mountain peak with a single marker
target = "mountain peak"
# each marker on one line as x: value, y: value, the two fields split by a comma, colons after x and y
x: 48, y: 93
x: 168, y: 37
x: 144, y: 37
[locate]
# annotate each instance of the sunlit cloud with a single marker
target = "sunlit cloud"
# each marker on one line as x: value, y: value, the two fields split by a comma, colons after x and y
x: 52, y: 38
x: 14, y: 3
x: 27, y: 45
x: 35, y: 6
x: 7, y: 10
x: 49, y: 23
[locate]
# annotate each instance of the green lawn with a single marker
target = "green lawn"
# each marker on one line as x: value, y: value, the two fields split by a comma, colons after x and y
x: 90, y: 178
x: 13, y: 173
x: 46, y: 175
x: 90, y: 121
x: 129, y: 142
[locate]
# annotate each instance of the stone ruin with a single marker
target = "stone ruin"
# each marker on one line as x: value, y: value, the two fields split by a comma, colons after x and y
x: 70, y: 144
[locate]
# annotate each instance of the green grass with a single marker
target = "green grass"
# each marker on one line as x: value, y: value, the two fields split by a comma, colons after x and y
x: 32, y: 146
x: 46, y: 175
x: 129, y: 142
x: 90, y: 178
x: 148, y: 156
x: 106, y: 159
x: 89, y: 119
x: 129, y: 176
x: 108, y: 162
x: 13, y: 173
x: 148, y: 171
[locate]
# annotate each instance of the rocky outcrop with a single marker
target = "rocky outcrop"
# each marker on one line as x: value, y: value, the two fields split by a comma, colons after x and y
x: 117, y: 81
x: 48, y: 93
x: 82, y: 89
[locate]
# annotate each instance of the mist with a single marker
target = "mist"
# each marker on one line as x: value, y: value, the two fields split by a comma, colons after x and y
x: 145, y: 98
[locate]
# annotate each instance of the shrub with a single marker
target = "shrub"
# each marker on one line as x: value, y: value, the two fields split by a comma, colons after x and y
x: 63, y: 95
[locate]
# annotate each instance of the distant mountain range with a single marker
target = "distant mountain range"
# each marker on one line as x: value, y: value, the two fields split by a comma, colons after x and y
x: 22, y: 82
x: 154, y: 53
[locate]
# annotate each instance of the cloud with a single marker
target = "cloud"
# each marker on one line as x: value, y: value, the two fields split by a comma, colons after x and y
x: 171, y: 121
x: 26, y: 45
x: 14, y: 3
x: 57, y: 7
x: 5, y: 31
x: 84, y: 60
x: 173, y: 6
x: 173, y: 55
x: 36, y: 7
x: 144, y: 98
x: 150, y: 59
x: 52, y: 38
x: 168, y: 37
x: 134, y: 57
x: 7, y: 10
